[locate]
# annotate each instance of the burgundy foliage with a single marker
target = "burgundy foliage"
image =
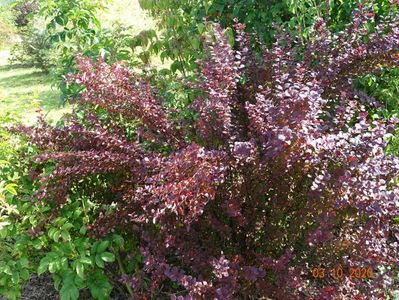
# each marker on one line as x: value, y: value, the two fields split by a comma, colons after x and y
x: 22, y: 11
x: 287, y: 171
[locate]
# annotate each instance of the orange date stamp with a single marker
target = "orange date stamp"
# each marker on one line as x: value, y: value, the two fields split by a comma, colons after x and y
x: 338, y: 273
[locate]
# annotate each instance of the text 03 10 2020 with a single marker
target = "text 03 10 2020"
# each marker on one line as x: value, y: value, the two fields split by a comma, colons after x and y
x: 340, y: 272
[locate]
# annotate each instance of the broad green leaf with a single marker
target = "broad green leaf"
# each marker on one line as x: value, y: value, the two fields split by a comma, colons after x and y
x: 102, y: 246
x: 43, y: 265
x: 201, y: 28
x: 79, y: 282
x: 57, y: 281
x: 118, y: 240
x: 11, y: 188
x: 7, y: 270
x: 83, y: 229
x: 99, y: 286
x: 15, y: 277
x: 67, y: 226
x: 85, y: 260
x: 59, y: 20
x: 64, y: 263
x: 24, y: 261
x: 107, y: 256
x: 65, y: 236
x: 51, y: 233
x: 56, y: 235
x: 24, y: 274
x: 69, y: 291
x: 53, y: 267
x: 80, y: 269
x: 99, y: 261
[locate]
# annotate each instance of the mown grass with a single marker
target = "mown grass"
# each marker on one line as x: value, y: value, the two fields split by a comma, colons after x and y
x: 24, y: 90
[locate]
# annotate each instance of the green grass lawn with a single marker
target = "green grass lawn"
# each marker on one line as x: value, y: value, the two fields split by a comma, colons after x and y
x: 127, y: 12
x: 23, y: 90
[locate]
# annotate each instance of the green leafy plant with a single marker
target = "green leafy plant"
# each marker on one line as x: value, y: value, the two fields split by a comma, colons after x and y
x: 15, y: 260
x: 34, y: 50
x: 74, y: 260
x: 73, y: 27
x: 30, y: 245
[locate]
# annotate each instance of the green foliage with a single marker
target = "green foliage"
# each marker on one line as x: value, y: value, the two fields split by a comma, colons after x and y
x: 75, y: 260
x: 15, y: 260
x: 384, y: 88
x: 32, y: 240
x: 34, y: 48
x: 114, y: 44
x: 7, y: 30
x: 183, y: 23
x: 72, y: 26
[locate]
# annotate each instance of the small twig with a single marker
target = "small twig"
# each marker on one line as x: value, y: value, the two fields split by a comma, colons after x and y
x: 122, y: 271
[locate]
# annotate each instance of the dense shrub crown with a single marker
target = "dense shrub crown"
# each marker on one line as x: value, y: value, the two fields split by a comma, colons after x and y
x: 286, y: 170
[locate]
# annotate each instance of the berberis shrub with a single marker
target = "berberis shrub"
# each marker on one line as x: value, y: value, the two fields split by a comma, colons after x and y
x: 282, y: 171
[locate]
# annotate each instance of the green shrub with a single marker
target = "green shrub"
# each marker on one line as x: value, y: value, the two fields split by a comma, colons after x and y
x: 15, y: 215
x: 35, y: 50
x: 383, y: 88
x: 29, y: 243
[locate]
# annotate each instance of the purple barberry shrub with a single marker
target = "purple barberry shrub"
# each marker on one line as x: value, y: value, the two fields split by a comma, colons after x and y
x: 287, y: 170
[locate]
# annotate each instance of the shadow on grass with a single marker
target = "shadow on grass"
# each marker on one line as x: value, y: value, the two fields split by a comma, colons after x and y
x: 49, y: 99
x: 23, y: 89
x: 25, y: 80
x: 28, y: 86
x: 9, y: 67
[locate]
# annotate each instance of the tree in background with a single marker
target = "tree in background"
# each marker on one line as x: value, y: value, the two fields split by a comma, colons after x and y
x: 7, y: 29
x: 34, y: 48
x: 182, y: 23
